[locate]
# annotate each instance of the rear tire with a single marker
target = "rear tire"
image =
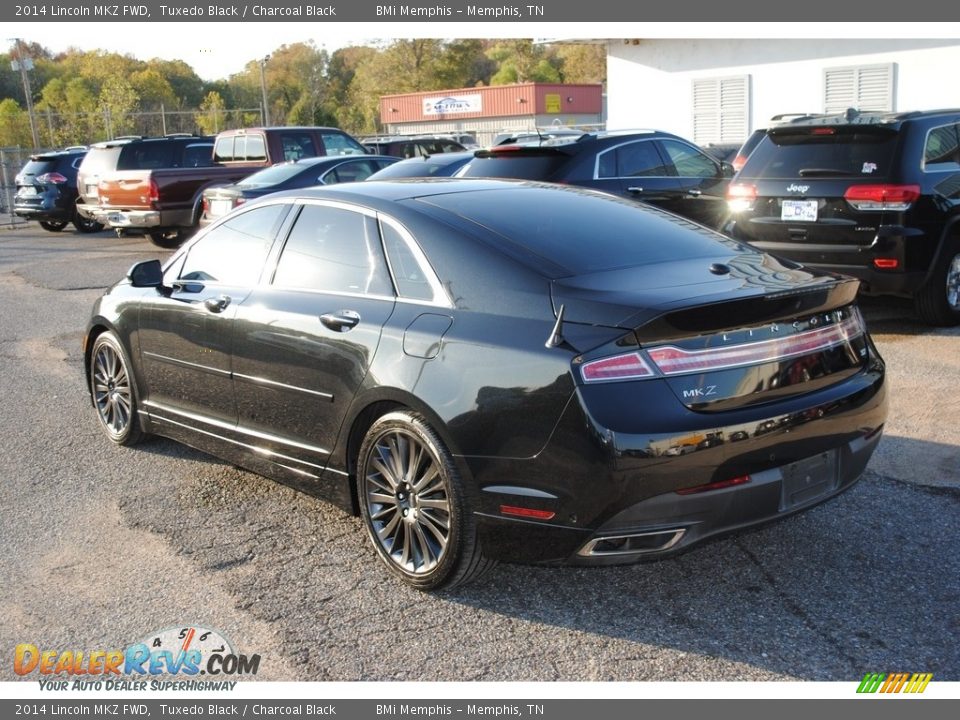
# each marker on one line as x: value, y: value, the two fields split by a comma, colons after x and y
x: 938, y: 301
x: 86, y: 225
x: 416, y: 507
x: 168, y: 239
x: 53, y: 225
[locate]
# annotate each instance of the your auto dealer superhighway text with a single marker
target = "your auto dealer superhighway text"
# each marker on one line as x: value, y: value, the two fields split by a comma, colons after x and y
x: 242, y: 11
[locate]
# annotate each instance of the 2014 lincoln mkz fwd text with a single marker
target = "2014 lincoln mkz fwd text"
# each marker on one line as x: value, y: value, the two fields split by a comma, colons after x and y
x: 492, y: 370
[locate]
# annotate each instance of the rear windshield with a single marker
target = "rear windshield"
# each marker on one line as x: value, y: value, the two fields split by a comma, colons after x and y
x: 39, y: 167
x: 578, y: 231
x: 421, y: 167
x: 100, y: 159
x: 823, y: 152
x: 273, y: 175
x: 515, y: 164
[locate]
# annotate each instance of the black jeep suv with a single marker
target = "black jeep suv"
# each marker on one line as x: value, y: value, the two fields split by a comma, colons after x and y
x: 647, y: 165
x: 47, y: 191
x: 876, y: 196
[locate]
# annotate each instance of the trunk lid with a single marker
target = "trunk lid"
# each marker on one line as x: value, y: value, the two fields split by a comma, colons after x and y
x: 126, y: 190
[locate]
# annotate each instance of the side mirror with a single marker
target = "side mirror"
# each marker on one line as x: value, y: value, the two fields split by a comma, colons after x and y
x: 726, y: 169
x: 148, y: 273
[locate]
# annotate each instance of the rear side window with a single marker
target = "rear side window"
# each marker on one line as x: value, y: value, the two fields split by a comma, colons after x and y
x: 412, y: 279
x: 340, y: 144
x: 942, y: 149
x: 99, y: 159
x: 823, y: 152
x: 147, y: 156
x: 513, y: 164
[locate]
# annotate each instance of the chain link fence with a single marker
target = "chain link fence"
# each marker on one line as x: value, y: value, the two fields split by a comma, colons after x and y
x: 11, y: 160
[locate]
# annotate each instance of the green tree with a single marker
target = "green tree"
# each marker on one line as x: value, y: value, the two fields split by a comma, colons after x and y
x: 464, y: 63
x: 520, y: 61
x: 211, y: 119
x: 14, y: 125
x: 118, y: 101
x: 582, y: 63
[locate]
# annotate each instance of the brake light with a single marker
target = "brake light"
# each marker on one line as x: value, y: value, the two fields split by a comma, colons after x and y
x: 824, y: 131
x: 886, y: 263
x: 154, y: 196
x: 740, y: 196
x: 619, y: 367
x: 882, y: 197
x: 672, y: 360
x: 51, y: 178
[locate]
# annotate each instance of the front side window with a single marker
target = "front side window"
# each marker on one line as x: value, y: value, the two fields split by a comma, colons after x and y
x: 297, y: 145
x: 233, y: 253
x: 689, y: 161
x: 333, y: 250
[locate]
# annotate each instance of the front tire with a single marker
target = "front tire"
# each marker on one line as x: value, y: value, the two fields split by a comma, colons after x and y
x: 113, y: 391
x: 415, y: 505
x: 53, y: 225
x: 938, y: 301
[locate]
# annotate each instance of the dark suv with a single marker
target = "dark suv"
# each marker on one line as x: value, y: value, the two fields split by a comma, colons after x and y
x: 47, y: 191
x: 650, y: 166
x: 876, y: 196
x: 137, y: 153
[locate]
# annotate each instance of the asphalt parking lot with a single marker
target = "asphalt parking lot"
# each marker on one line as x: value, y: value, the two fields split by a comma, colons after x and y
x: 106, y: 545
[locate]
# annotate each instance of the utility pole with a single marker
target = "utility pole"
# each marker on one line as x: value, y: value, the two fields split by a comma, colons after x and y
x: 263, y: 90
x: 24, y: 63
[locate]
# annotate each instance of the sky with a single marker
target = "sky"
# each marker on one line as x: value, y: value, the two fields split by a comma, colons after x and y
x: 217, y: 50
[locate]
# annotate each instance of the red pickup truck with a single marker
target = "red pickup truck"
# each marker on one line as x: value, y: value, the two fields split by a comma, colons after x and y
x: 164, y: 202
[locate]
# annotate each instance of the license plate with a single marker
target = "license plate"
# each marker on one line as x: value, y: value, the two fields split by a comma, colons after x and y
x: 220, y: 207
x: 802, y: 210
x: 808, y: 480
x: 116, y: 218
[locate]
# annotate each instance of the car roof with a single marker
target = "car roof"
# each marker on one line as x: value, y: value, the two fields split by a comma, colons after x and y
x: 331, y: 159
x: 852, y: 116
x: 403, y: 189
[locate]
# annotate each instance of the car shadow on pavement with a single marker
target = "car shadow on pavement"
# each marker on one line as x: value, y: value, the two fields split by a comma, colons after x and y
x: 867, y: 582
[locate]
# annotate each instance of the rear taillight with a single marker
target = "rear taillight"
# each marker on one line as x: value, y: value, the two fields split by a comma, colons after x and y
x: 205, y: 206
x: 154, y: 196
x: 882, y: 197
x: 672, y: 360
x: 239, y: 201
x: 620, y: 367
x: 669, y: 360
x: 740, y: 196
x: 738, y: 162
x: 51, y: 178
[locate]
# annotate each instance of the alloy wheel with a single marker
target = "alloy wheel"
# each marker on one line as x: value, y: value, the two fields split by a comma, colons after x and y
x: 407, y: 502
x: 112, y: 393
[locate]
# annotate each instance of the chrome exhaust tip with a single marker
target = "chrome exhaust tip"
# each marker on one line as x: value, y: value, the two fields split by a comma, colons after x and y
x: 632, y: 544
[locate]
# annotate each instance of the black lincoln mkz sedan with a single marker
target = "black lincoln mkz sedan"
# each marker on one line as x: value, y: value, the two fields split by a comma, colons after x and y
x: 492, y: 370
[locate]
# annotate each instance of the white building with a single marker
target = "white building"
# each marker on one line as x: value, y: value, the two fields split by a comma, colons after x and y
x: 719, y: 90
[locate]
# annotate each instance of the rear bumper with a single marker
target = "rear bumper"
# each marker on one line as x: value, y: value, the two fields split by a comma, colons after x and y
x: 44, y: 207
x: 127, y: 219
x: 912, y: 251
x: 626, y: 486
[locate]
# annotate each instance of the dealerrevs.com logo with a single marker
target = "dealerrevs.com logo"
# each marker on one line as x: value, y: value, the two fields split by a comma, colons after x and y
x: 895, y: 683
x: 186, y: 651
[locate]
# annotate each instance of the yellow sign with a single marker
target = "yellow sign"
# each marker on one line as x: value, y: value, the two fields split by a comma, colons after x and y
x: 553, y: 104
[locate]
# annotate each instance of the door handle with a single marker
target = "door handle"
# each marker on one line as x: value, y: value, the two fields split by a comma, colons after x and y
x: 635, y: 188
x: 341, y: 321
x: 694, y: 192
x: 217, y: 304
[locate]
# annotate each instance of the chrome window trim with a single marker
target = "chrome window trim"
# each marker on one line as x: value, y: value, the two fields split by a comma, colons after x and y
x: 440, y: 297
